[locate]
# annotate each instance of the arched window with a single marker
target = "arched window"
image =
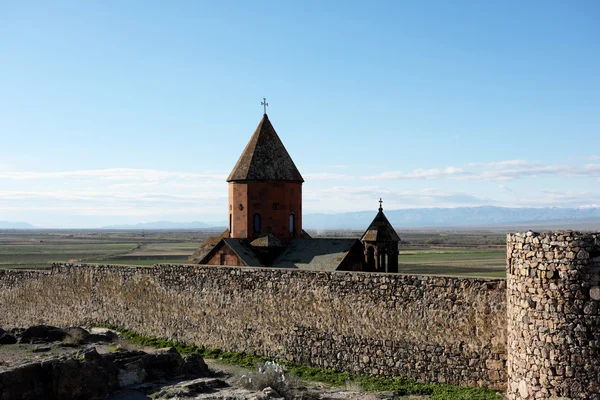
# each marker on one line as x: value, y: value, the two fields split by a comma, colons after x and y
x: 382, y: 260
x: 292, y: 224
x: 257, y: 221
x: 370, y: 258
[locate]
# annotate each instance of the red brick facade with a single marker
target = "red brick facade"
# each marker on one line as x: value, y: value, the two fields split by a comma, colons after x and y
x: 274, y: 203
x: 224, y: 257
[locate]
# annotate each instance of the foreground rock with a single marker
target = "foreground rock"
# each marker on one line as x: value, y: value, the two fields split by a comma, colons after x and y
x: 191, y: 389
x: 75, y: 370
x: 92, y: 376
x: 58, y: 371
x: 7, y: 338
x: 43, y: 334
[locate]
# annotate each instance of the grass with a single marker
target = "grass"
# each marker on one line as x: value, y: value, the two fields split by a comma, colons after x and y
x: 166, y: 248
x: 453, y: 261
x: 35, y: 249
x: 40, y: 253
x: 400, y: 386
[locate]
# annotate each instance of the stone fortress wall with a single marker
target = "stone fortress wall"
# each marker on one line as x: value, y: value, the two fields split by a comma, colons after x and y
x: 553, y: 288
x: 434, y: 329
x: 537, y: 334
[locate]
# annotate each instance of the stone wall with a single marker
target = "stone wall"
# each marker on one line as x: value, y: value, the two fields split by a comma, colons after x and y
x: 433, y: 329
x: 553, y: 288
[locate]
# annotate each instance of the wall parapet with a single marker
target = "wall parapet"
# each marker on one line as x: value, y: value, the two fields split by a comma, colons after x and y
x: 379, y: 324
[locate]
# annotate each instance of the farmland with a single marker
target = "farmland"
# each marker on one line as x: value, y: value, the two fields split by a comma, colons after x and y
x: 453, y: 261
x: 456, y: 253
x: 39, y: 249
x: 462, y: 253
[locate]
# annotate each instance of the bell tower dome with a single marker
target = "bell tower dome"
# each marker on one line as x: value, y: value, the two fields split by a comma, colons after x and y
x: 380, y: 242
x: 265, y: 189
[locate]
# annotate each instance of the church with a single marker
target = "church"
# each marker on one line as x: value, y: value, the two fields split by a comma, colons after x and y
x: 265, y: 220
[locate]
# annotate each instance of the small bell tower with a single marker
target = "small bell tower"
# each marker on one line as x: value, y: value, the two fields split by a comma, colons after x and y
x: 380, y: 242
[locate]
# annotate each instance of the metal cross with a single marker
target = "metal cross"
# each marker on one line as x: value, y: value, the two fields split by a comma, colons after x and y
x: 265, y: 104
x: 380, y: 204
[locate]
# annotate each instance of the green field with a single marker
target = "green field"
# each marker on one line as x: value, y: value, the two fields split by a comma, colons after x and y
x: 40, y: 254
x: 432, y: 253
x: 26, y: 249
x: 164, y: 248
x: 453, y: 261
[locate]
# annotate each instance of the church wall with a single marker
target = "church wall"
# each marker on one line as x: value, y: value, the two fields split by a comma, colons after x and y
x: 225, y: 256
x: 238, y: 209
x: 433, y: 329
x: 274, y: 201
x: 354, y: 260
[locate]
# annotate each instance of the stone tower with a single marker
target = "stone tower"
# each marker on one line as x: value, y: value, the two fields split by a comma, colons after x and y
x: 553, y: 298
x: 265, y: 189
x: 380, y: 242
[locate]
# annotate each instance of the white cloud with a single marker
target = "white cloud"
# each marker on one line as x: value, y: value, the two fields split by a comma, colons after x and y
x: 156, y: 194
x: 493, y: 171
x: 113, y: 192
x: 324, y: 175
x: 348, y: 198
x: 504, y: 187
x: 500, y: 164
x: 587, y: 206
x: 76, y: 193
x: 114, y: 174
x: 335, y: 166
x: 448, y: 172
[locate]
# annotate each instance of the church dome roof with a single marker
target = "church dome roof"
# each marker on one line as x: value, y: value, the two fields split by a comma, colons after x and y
x: 265, y: 158
x: 380, y: 230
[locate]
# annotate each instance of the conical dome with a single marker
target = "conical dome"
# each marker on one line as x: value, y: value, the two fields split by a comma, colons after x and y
x: 265, y: 158
x: 380, y: 230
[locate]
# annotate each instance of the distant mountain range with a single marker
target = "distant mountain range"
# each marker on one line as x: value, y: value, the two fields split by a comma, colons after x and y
x: 15, y: 225
x: 166, y: 225
x: 461, y: 217
x: 485, y: 216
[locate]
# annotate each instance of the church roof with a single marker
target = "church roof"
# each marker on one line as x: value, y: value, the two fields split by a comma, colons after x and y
x: 240, y: 248
x: 266, y: 240
x: 206, y: 246
x: 320, y: 254
x: 380, y: 230
x: 265, y: 158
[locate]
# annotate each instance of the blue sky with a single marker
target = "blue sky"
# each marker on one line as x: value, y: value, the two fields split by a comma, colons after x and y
x: 136, y: 111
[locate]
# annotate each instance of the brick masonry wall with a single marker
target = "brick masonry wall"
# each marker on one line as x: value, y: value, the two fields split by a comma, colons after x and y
x: 553, y: 288
x: 274, y: 201
x: 229, y: 257
x: 433, y: 329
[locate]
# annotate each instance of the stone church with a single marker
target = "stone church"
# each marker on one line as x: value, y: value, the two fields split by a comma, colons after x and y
x: 265, y: 220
